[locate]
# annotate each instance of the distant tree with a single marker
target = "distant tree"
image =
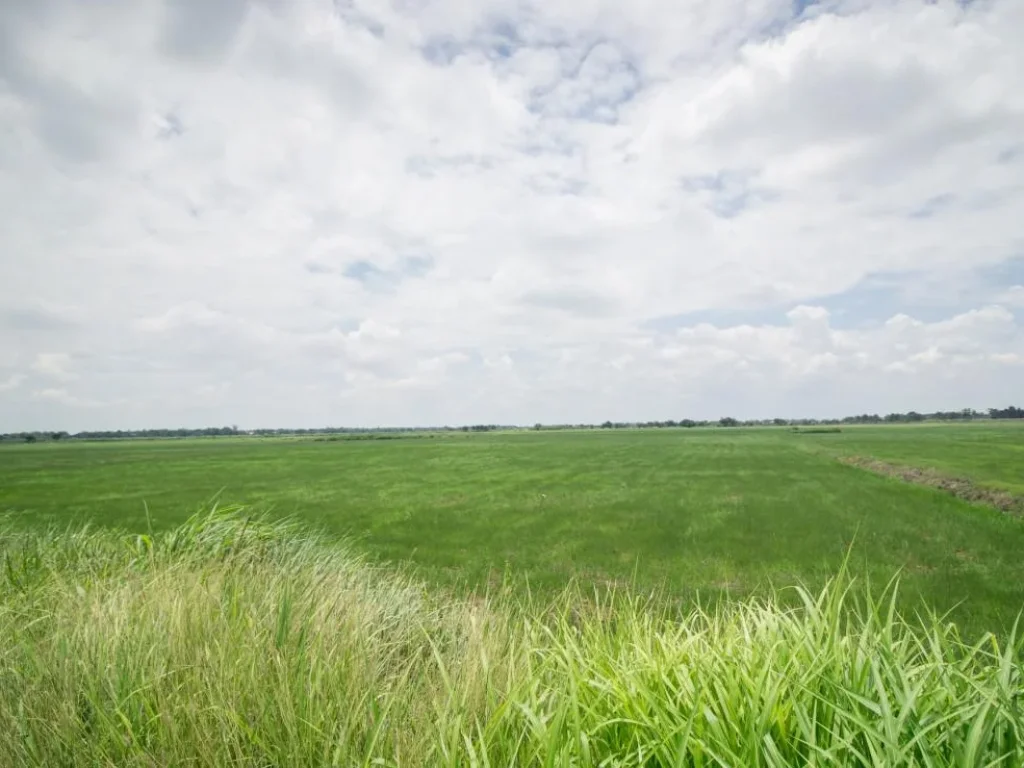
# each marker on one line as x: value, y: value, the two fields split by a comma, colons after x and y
x: 30, y: 438
x: 728, y: 421
x: 1006, y: 413
x: 780, y: 422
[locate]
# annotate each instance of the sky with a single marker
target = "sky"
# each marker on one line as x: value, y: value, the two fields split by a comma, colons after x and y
x: 425, y: 212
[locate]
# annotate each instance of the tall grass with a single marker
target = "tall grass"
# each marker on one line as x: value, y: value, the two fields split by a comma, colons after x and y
x: 235, y: 641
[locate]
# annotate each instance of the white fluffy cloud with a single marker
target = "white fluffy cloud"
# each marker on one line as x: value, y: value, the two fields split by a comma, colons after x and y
x: 379, y: 212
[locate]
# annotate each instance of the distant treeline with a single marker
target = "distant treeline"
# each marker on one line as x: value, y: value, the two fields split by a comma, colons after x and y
x: 966, y: 414
x: 127, y: 434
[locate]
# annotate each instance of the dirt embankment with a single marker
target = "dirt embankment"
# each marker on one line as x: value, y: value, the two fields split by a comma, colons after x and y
x: 960, y: 487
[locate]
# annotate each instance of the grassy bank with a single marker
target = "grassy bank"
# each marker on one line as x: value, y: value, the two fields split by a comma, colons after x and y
x: 231, y: 641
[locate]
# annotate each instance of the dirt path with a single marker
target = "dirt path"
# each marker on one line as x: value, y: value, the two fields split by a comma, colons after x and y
x: 960, y: 487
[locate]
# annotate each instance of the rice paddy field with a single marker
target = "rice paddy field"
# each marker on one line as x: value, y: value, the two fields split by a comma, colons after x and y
x: 691, y: 512
x: 651, y: 597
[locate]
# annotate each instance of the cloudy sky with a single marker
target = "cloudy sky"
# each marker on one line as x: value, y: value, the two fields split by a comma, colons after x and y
x: 398, y: 212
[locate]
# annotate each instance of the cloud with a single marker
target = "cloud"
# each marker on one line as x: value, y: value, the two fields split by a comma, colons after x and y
x: 1013, y: 296
x: 569, y: 300
x: 34, y: 318
x: 196, y: 29
x: 188, y: 315
x: 387, y: 213
x: 12, y: 382
x: 54, y: 365
x: 62, y: 397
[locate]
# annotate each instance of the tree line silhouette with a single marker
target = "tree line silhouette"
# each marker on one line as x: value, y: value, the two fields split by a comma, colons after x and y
x: 965, y: 414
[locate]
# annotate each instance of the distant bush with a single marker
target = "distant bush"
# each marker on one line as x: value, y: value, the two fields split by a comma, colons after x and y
x: 235, y: 641
x: 372, y: 436
x: 817, y: 430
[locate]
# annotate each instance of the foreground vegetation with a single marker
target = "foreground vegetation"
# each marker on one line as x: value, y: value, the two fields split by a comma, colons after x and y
x: 705, y: 513
x: 232, y: 641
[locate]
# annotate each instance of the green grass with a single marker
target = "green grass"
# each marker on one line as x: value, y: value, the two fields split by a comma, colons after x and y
x: 714, y: 512
x: 989, y: 453
x: 232, y: 641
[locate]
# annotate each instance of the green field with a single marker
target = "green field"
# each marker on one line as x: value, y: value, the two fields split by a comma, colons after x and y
x: 709, y: 512
x: 224, y: 638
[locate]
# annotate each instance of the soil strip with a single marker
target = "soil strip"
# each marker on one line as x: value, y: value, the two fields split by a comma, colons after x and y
x: 960, y: 487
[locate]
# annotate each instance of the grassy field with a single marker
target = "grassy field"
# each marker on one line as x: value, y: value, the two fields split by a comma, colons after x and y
x: 712, y: 512
x: 992, y: 453
x: 232, y: 641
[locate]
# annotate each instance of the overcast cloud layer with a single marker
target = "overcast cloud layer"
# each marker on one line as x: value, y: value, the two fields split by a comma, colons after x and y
x: 387, y: 212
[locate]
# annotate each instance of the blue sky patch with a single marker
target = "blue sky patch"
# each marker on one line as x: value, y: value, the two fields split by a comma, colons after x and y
x: 874, y: 300
x: 363, y: 271
x: 378, y: 279
x: 442, y: 50
x: 729, y: 192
